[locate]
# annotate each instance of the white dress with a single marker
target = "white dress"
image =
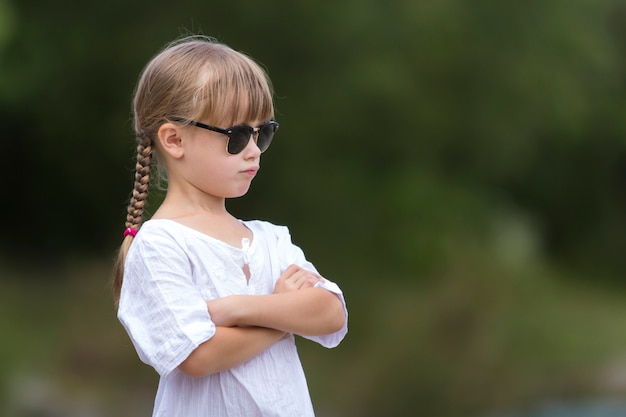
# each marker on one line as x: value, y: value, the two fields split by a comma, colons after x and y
x: 171, y: 271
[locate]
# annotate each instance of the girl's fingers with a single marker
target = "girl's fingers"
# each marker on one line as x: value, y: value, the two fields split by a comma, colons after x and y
x: 309, y: 283
x: 303, y: 277
x: 300, y: 279
x: 295, y: 278
x: 290, y: 271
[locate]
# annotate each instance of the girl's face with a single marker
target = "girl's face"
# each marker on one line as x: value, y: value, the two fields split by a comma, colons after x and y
x: 206, y: 165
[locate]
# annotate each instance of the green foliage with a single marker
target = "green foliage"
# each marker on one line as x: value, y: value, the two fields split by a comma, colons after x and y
x: 485, y: 104
x: 487, y: 334
x: 7, y: 22
x: 465, y: 156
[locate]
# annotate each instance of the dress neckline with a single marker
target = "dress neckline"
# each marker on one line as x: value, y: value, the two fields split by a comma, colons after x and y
x: 247, y: 244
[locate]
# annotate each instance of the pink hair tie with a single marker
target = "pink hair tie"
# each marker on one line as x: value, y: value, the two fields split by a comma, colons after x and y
x: 130, y: 231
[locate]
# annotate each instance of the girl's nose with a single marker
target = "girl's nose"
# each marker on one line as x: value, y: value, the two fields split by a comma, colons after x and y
x: 252, y: 145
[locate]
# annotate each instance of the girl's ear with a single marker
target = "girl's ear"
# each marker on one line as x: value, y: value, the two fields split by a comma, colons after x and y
x: 170, y: 140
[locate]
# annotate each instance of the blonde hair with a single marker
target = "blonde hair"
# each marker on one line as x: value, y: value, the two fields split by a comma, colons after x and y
x: 192, y: 78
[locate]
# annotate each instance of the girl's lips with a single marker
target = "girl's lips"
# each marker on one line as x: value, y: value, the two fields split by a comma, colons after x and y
x: 251, y: 171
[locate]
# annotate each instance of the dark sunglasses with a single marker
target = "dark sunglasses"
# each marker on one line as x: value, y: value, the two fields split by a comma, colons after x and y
x: 239, y: 136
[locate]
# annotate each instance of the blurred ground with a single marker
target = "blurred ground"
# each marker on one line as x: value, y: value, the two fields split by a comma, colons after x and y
x: 479, y: 339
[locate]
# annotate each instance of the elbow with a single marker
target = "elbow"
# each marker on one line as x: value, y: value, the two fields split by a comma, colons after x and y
x: 197, y: 370
x: 199, y: 363
x: 191, y: 370
x: 194, y: 368
x: 327, y: 319
x: 337, y: 317
x: 338, y: 322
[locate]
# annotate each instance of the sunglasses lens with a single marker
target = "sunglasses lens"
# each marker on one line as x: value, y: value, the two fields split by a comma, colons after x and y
x: 266, y: 134
x: 239, y: 138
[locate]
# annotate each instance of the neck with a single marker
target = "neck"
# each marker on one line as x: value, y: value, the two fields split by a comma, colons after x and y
x: 177, y: 205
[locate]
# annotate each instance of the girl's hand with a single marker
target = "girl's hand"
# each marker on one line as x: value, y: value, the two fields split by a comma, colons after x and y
x: 295, y: 278
x: 234, y: 310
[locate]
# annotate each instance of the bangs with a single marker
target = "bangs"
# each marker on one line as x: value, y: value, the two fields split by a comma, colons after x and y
x: 235, y: 90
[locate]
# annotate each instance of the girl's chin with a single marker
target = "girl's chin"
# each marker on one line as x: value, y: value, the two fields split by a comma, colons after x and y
x: 240, y: 193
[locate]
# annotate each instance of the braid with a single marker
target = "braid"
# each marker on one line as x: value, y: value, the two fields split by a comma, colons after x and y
x: 142, y: 183
x: 134, y: 217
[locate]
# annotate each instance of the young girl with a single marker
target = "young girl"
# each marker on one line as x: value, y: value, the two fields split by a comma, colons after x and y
x: 210, y: 301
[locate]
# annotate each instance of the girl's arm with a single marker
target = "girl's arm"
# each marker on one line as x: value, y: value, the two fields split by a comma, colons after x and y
x: 294, y: 307
x: 229, y: 347
x: 308, y: 312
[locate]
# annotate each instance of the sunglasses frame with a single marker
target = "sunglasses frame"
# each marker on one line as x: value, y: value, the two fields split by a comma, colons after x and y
x: 229, y: 131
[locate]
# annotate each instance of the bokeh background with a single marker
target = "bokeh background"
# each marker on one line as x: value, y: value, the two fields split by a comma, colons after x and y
x: 459, y: 167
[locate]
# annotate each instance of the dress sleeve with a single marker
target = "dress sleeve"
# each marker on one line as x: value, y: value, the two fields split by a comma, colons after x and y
x: 160, y: 307
x: 292, y: 254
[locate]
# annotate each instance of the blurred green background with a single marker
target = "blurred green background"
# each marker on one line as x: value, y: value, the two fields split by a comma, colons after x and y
x: 458, y: 167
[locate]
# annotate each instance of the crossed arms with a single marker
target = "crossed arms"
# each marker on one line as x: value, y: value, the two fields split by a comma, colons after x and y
x: 246, y: 325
